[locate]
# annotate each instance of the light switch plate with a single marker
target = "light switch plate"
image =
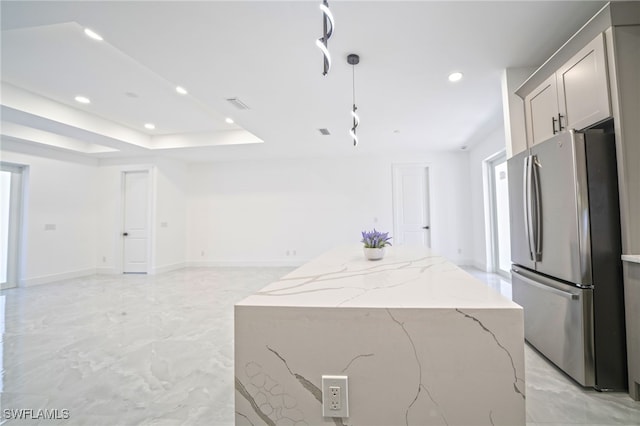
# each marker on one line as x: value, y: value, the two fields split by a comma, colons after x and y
x: 335, y: 396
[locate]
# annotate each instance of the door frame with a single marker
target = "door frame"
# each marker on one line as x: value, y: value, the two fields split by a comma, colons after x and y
x: 491, y: 226
x: 151, y: 214
x: 17, y: 221
x: 396, y: 201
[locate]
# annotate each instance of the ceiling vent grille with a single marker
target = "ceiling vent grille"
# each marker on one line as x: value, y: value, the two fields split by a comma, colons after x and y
x: 237, y: 103
x: 324, y: 132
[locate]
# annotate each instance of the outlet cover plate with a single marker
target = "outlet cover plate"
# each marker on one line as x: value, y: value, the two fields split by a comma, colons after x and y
x: 340, y: 382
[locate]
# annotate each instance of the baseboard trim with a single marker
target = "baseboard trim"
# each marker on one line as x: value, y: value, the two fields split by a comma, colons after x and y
x: 47, y: 279
x: 107, y: 271
x: 483, y: 267
x: 246, y: 263
x: 169, y: 268
x: 463, y: 262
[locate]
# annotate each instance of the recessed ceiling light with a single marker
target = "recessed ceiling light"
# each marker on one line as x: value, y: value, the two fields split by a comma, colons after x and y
x: 228, y: 120
x: 82, y: 99
x: 455, y: 76
x: 92, y: 34
x: 181, y: 90
x: 150, y: 126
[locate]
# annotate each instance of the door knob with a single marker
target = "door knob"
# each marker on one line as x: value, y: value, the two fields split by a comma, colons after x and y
x: 425, y: 227
x: 124, y: 234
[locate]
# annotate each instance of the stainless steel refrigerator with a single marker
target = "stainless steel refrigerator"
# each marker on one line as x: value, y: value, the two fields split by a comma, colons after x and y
x: 565, y: 249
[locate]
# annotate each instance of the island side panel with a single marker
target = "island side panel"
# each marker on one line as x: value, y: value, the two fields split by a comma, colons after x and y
x: 405, y: 366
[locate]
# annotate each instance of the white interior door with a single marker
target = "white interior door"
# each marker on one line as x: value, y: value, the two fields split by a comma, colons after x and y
x: 411, y: 205
x: 135, y: 234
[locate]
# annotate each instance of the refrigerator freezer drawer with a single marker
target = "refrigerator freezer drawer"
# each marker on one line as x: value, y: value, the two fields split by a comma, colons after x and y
x: 558, y: 321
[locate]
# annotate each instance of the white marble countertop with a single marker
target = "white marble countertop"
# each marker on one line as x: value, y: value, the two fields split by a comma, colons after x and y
x: 635, y: 258
x: 407, y: 277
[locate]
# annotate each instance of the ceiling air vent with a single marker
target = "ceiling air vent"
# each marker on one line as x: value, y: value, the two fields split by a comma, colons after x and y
x: 324, y: 132
x: 237, y: 103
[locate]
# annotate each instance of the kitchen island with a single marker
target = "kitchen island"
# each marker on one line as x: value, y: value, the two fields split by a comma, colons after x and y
x: 421, y: 341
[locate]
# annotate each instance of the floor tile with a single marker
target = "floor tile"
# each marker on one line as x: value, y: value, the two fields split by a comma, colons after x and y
x: 158, y: 350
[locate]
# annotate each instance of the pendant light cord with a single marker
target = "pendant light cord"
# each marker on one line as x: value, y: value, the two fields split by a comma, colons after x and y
x: 353, y: 75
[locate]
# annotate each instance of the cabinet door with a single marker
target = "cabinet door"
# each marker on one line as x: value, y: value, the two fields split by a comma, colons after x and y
x: 541, y: 112
x: 583, y: 87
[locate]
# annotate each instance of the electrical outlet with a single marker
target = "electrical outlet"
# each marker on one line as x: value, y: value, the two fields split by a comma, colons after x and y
x: 335, y: 401
x: 334, y: 398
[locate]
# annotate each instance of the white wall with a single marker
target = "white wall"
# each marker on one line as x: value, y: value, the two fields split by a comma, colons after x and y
x: 82, y: 198
x: 482, y: 150
x: 245, y: 212
x: 171, y: 215
x: 451, y: 225
x: 61, y: 192
x: 108, y: 252
x: 513, y: 109
x: 168, y: 221
x: 253, y: 212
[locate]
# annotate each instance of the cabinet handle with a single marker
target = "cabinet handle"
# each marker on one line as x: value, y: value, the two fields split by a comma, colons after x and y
x: 553, y: 125
x: 560, y: 117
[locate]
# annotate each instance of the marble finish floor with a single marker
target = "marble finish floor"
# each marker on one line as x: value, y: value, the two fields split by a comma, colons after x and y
x: 158, y: 350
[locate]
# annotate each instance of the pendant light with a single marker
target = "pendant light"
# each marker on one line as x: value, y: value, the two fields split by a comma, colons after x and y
x: 327, y: 32
x: 353, y: 60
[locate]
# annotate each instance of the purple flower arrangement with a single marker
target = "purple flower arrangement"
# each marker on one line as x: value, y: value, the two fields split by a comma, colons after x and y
x: 375, y: 239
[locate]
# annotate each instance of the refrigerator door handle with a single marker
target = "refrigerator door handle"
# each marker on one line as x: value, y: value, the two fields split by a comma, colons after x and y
x: 548, y: 288
x: 537, y: 222
x: 527, y: 204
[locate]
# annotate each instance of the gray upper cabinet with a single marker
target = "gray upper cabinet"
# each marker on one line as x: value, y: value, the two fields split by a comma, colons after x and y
x: 583, y: 91
x: 574, y: 97
x: 541, y: 109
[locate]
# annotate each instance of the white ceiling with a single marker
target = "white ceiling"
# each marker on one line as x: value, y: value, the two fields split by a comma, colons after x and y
x: 264, y: 54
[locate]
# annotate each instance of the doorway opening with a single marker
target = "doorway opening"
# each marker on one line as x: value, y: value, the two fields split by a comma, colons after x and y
x: 497, y: 198
x: 411, y: 215
x: 11, y: 188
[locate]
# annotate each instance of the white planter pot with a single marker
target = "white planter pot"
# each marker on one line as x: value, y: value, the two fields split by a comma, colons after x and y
x: 374, y: 253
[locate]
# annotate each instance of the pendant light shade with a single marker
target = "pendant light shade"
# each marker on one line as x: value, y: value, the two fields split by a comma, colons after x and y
x: 356, y: 121
x: 327, y: 31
